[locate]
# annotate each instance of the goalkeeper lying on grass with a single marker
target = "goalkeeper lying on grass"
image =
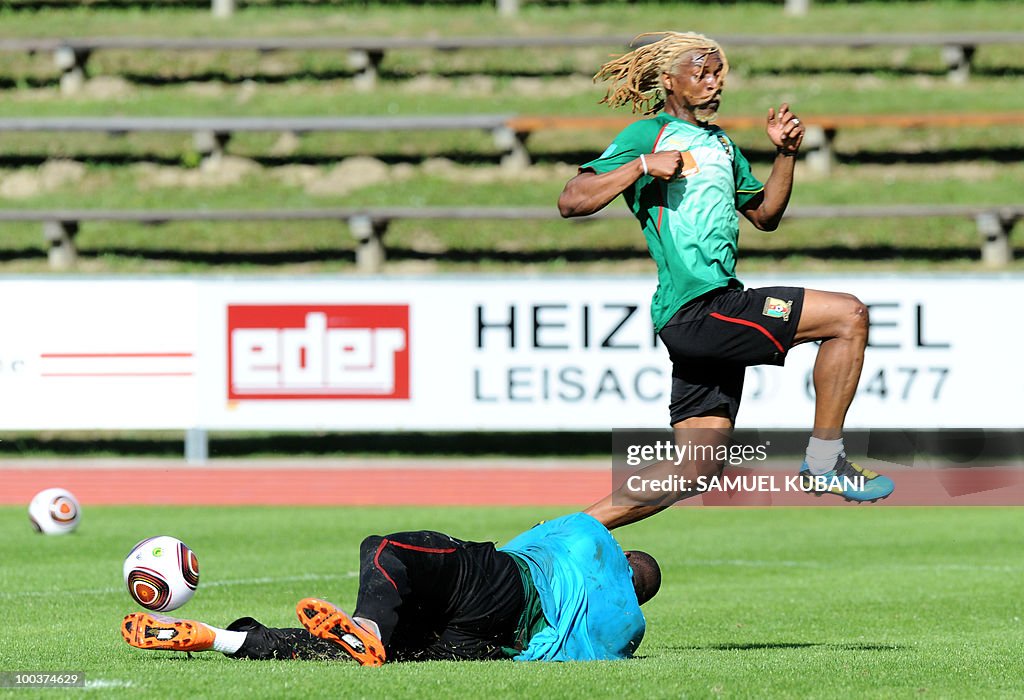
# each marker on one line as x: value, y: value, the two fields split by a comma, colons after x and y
x: 562, y: 591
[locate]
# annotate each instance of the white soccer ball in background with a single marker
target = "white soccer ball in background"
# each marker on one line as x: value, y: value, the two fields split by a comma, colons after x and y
x: 54, y: 512
x: 161, y: 573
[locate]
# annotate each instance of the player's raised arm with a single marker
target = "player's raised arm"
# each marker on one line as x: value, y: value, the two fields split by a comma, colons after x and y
x: 786, y: 133
x: 589, y: 192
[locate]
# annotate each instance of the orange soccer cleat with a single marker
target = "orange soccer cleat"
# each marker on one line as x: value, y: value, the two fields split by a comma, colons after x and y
x: 326, y: 621
x: 148, y: 631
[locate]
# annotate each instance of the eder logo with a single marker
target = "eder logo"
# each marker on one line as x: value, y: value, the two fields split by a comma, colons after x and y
x: 318, y: 352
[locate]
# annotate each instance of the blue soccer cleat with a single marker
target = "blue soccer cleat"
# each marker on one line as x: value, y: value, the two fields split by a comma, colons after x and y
x: 847, y: 479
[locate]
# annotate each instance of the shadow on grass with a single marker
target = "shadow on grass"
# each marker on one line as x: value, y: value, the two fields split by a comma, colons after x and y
x: 993, y: 154
x: 34, y: 158
x: 473, y: 255
x: 12, y: 255
x: 470, y: 256
x: 122, y: 158
x: 329, y: 74
x: 247, y: 260
x: 39, y: 5
x: 44, y: 5
x: 385, y: 73
x: 757, y: 646
x: 235, y: 78
x: 243, y: 259
x: 863, y: 253
x: 26, y: 160
x: 879, y: 70
x: 413, y: 444
x: 34, y: 82
x: 581, y: 255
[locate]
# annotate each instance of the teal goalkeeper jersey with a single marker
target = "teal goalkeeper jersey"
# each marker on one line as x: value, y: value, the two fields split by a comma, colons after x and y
x: 586, y: 592
x: 690, y: 223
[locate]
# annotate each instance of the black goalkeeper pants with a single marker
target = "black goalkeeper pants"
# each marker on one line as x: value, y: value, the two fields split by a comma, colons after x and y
x: 431, y: 595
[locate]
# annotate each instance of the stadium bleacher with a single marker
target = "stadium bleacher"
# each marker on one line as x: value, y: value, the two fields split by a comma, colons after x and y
x: 369, y: 225
x: 365, y: 54
x: 510, y: 133
x: 513, y: 135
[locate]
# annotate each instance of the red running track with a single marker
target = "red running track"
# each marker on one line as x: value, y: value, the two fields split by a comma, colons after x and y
x: 184, y: 485
x: 277, y: 484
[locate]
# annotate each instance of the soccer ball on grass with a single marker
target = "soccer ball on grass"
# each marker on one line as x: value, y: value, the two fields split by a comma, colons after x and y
x: 161, y: 573
x: 54, y: 512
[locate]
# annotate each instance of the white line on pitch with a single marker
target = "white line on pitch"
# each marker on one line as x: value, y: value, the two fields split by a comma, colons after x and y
x: 211, y: 584
x: 104, y: 683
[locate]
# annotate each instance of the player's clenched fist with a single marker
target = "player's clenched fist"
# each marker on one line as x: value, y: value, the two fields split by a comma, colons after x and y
x: 664, y: 165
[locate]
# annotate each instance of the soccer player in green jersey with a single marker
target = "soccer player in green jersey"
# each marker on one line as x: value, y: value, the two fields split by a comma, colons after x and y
x: 687, y: 182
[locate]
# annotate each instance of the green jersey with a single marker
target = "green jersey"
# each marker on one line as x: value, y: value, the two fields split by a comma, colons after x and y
x: 690, y: 223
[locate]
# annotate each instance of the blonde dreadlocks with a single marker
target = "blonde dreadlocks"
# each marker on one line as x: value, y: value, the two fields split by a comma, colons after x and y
x: 636, y: 76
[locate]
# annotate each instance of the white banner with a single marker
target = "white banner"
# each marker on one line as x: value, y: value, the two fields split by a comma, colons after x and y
x: 467, y: 353
x: 79, y: 353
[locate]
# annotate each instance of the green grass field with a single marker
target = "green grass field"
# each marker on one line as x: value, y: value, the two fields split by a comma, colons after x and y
x: 816, y: 602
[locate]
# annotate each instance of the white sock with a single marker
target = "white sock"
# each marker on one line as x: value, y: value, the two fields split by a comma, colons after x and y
x: 822, y: 454
x: 227, y: 641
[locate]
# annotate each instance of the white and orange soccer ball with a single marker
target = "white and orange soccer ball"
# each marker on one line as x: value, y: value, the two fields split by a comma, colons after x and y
x: 54, y: 512
x: 161, y: 573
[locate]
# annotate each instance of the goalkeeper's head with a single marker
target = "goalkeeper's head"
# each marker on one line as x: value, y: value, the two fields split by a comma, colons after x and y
x: 646, y: 574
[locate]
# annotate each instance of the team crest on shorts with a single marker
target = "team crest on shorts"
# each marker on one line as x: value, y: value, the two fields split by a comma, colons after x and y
x: 777, y: 308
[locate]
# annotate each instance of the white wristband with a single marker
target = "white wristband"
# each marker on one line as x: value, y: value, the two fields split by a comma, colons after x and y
x: 643, y: 162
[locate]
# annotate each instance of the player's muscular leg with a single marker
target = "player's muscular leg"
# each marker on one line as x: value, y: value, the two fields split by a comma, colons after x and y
x: 624, y: 506
x: 840, y: 321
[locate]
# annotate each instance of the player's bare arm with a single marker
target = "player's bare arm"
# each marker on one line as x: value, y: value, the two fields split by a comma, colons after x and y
x: 588, y: 192
x: 786, y: 133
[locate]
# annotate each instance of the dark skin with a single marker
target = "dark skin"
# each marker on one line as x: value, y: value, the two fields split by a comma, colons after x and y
x: 642, y: 570
x: 693, y: 92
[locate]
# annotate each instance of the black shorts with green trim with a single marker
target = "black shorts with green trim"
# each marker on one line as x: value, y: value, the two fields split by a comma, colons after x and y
x: 714, y: 338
